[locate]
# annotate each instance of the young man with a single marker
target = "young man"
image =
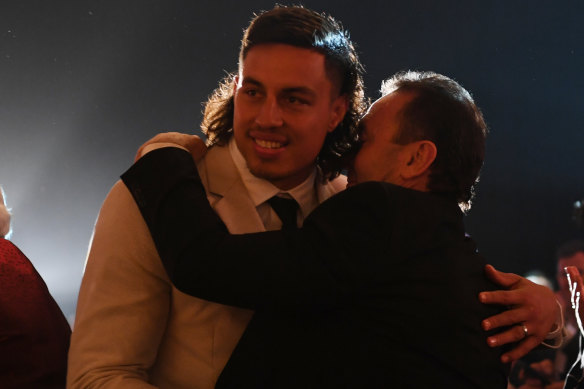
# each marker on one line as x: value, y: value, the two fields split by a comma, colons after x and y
x: 279, y: 125
x: 133, y: 328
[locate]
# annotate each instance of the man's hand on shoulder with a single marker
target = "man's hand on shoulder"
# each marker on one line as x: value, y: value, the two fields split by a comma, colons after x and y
x: 191, y: 143
x: 532, y: 315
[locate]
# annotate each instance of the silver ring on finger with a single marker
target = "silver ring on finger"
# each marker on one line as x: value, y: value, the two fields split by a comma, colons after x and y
x: 525, y: 331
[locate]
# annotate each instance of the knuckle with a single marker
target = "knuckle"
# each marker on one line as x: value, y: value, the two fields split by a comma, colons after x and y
x: 495, y: 321
x: 508, y: 337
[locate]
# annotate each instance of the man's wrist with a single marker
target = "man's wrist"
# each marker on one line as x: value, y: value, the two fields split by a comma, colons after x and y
x: 555, y: 337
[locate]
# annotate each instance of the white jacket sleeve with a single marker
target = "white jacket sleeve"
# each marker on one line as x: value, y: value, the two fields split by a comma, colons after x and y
x: 123, y: 302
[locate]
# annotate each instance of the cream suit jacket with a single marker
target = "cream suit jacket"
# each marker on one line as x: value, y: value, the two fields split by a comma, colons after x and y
x: 133, y: 329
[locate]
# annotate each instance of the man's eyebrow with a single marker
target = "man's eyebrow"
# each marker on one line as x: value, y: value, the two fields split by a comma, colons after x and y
x: 304, y: 90
x: 301, y: 90
x: 250, y: 80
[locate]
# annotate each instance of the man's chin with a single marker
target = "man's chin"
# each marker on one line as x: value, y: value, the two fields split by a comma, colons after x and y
x: 279, y: 178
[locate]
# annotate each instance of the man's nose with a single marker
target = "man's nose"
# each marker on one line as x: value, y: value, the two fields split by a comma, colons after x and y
x: 270, y: 114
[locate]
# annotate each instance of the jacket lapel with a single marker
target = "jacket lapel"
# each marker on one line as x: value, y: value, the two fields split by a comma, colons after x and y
x: 229, y: 197
x: 227, y: 193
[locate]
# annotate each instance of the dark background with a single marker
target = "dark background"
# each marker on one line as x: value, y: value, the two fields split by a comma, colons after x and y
x: 84, y: 83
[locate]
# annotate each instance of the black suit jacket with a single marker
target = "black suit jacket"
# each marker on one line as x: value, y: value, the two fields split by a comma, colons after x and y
x: 379, y: 288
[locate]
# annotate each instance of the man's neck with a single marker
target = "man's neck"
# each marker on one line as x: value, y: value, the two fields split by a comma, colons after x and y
x: 260, y: 189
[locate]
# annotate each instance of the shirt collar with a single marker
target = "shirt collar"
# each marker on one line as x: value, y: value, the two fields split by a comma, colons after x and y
x: 261, y: 190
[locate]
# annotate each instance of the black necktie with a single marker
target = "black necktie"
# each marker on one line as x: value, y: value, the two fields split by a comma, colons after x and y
x: 286, y: 211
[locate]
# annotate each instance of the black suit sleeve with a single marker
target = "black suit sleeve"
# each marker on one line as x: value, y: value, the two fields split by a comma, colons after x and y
x: 324, y: 262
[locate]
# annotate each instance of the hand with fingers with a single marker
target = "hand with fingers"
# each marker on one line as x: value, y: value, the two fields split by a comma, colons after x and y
x: 533, y: 313
x: 191, y: 143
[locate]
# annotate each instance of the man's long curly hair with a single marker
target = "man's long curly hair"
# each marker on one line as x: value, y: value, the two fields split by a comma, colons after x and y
x: 299, y: 27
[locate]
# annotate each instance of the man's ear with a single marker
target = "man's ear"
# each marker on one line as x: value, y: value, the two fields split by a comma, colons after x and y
x: 420, y: 156
x: 338, y: 111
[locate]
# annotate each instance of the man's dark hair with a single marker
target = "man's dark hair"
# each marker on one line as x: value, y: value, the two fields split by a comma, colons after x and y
x: 570, y: 248
x: 443, y: 112
x: 304, y: 28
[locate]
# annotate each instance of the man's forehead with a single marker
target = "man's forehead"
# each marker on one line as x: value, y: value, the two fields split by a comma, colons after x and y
x: 286, y: 54
x: 285, y: 67
x: 387, y: 106
x: 383, y: 114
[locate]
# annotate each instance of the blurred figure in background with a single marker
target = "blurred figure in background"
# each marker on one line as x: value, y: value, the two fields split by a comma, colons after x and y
x: 574, y: 276
x: 548, y: 368
x: 34, y: 334
x: 540, y: 278
x: 569, y: 254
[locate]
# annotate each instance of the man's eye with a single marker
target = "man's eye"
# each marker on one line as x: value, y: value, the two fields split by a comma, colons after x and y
x: 296, y: 100
x: 251, y: 92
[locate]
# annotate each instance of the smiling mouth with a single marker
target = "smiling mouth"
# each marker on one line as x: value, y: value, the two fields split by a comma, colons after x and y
x: 268, y: 144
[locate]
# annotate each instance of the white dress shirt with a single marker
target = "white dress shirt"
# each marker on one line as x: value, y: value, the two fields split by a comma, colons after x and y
x: 261, y: 191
